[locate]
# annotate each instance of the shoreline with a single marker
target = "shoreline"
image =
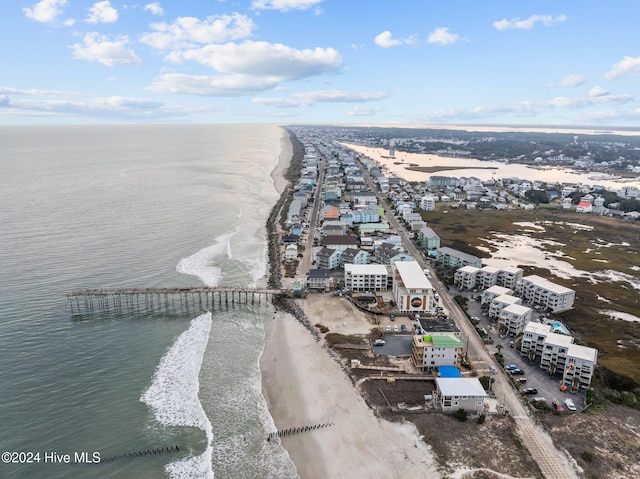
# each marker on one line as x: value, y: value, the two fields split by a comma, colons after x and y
x: 303, y: 386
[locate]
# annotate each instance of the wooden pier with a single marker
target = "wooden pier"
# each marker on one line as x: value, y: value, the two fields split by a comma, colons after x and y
x: 200, y: 298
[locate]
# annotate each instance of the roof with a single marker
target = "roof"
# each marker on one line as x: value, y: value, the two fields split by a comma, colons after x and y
x: 460, y: 387
x: 445, y: 341
x: 498, y: 290
x: 458, y: 254
x: 544, y: 283
x: 449, y: 372
x: 368, y: 269
x: 412, y: 275
x: 537, y: 328
x: 340, y: 240
x: 582, y: 352
x: 516, y: 309
x: 319, y: 273
x: 506, y: 299
x: 556, y: 339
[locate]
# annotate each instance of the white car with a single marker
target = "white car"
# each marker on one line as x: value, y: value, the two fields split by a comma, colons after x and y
x: 570, y: 405
x: 388, y: 328
x: 395, y: 328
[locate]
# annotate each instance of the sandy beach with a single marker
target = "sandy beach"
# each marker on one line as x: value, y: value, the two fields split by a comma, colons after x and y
x: 305, y: 386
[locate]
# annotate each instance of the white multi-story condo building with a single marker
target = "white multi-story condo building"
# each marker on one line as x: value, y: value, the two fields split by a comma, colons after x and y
x: 558, y: 354
x: 493, y: 292
x: 466, y: 277
x: 500, y: 302
x: 366, y: 277
x: 509, y: 276
x: 487, y: 277
x: 514, y: 317
x: 435, y: 350
x: 412, y: 290
x: 536, y: 290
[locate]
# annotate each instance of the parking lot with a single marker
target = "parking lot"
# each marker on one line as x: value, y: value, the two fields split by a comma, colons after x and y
x: 547, y: 386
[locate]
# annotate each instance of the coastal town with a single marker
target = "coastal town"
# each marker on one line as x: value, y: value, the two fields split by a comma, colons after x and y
x: 444, y: 331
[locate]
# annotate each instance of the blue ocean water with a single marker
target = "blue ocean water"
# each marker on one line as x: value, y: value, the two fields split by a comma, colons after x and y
x: 134, y: 206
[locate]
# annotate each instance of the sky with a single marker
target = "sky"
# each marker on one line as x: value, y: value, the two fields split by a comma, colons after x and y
x: 401, y: 62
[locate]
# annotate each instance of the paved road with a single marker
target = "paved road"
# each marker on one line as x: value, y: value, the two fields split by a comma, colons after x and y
x: 551, y: 462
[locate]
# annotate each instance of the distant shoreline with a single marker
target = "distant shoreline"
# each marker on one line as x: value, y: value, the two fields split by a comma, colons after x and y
x: 435, y: 169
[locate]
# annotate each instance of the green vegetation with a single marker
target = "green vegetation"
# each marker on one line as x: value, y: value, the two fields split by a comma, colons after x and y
x: 461, y: 415
x: 336, y: 338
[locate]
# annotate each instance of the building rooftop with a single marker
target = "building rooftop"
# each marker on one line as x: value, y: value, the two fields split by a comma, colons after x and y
x: 556, y: 339
x: 498, y: 290
x: 469, y: 269
x: 546, y: 284
x: 582, y: 352
x: 366, y: 269
x: 507, y: 299
x: 460, y: 387
x: 537, y: 328
x: 517, y: 309
x: 412, y: 275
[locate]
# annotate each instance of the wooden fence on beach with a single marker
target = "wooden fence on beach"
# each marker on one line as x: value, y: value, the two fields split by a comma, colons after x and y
x: 167, y: 299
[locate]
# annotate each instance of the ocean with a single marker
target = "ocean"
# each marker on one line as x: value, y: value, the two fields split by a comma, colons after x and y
x: 134, y: 206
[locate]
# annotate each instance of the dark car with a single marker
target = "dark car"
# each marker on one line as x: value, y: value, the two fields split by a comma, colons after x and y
x: 530, y: 391
x: 403, y: 328
x: 517, y: 372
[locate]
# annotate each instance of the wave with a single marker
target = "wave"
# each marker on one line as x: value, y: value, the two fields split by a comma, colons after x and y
x: 199, y: 264
x: 173, y: 395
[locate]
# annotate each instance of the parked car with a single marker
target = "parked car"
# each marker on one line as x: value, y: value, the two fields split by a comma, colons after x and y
x: 511, y: 367
x: 517, y: 372
x: 395, y: 328
x: 392, y: 317
x: 556, y: 405
x: 378, y: 342
x: 521, y: 380
x: 570, y: 405
x: 539, y: 399
x: 529, y: 391
x: 403, y: 328
x: 388, y: 328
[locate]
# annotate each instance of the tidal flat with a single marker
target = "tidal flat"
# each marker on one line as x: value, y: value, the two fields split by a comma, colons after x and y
x: 598, y: 257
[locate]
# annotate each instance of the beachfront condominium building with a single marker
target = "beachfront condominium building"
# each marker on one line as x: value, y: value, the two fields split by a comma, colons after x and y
x: 452, y: 258
x: 487, y: 277
x: 428, y: 238
x: 509, y: 276
x: 412, y: 290
x: 493, y: 292
x: 580, y: 365
x: 461, y: 393
x: 500, y: 302
x: 366, y: 277
x: 513, y: 318
x: 428, y: 203
x: 435, y: 350
x: 537, y: 290
x: 559, y: 355
x: 466, y: 277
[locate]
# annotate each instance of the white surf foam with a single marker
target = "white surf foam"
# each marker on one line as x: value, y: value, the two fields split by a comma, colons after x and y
x: 199, y: 264
x: 173, y: 395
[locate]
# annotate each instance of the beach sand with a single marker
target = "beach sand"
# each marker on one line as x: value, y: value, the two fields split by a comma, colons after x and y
x: 304, y: 386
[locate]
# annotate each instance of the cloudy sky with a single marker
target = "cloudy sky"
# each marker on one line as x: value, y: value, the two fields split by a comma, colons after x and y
x: 546, y: 62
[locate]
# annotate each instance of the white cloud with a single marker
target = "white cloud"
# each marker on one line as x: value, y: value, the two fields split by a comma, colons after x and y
x: 628, y: 66
x: 102, y: 12
x: 598, y: 91
x: 212, y: 85
x: 284, y: 5
x: 34, y: 92
x: 99, y: 48
x: 364, y: 111
x: 386, y: 40
x: 442, y: 36
x: 571, y: 80
x: 262, y: 59
x: 154, y: 8
x: 529, y: 23
x: 309, y: 98
x: 186, y: 31
x: 527, y: 108
x: 45, y: 11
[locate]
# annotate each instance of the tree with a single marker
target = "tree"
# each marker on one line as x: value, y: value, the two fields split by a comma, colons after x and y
x: 537, y: 196
x: 499, y: 348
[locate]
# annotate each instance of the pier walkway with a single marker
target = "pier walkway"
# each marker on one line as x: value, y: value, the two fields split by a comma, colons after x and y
x: 167, y: 299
